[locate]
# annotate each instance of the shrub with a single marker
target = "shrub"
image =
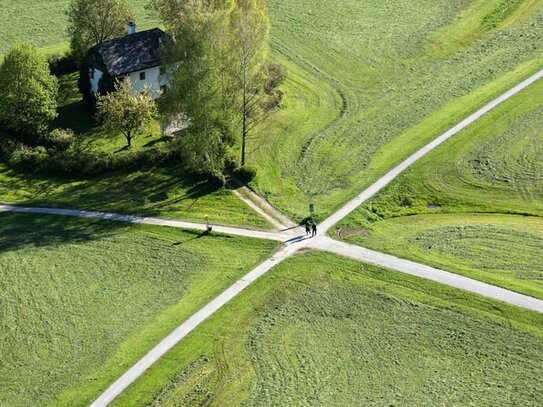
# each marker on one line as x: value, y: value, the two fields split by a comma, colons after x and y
x: 245, y: 173
x: 273, y: 100
x: 32, y: 158
x: 60, y: 139
x: 277, y: 74
x: 62, y: 64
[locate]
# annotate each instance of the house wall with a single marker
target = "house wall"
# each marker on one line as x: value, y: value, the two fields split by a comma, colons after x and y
x: 153, y: 80
x: 95, y: 76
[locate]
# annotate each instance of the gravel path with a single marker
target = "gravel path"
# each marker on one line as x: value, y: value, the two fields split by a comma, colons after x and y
x: 257, y: 234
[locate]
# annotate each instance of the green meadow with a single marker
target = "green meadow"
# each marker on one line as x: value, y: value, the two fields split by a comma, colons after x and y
x: 42, y: 23
x: 375, y: 80
x: 472, y: 206
x: 320, y: 330
x: 83, y: 300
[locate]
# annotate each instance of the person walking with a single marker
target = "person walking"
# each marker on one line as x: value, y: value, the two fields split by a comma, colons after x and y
x: 307, y: 227
x: 314, y: 229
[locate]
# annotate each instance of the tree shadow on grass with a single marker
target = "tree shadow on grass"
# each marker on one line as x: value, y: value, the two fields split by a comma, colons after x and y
x: 147, y: 192
x: 76, y: 116
x: 20, y: 231
x: 151, y: 143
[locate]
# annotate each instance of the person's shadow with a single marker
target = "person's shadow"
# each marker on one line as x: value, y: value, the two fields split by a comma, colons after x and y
x: 197, y: 235
x: 298, y: 239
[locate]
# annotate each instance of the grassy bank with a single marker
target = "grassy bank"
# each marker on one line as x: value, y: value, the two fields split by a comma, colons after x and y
x: 323, y: 331
x: 157, y: 191
x: 84, y: 300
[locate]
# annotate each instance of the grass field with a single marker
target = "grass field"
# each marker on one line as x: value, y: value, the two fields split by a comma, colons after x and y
x: 81, y: 300
x: 359, y: 98
x: 164, y: 191
x: 395, y: 75
x: 323, y: 331
x: 434, y: 212
x: 43, y: 22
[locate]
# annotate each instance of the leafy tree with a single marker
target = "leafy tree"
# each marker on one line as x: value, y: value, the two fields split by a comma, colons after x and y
x: 125, y: 111
x: 28, y: 91
x: 201, y: 79
x: 219, y: 72
x: 250, y: 30
x: 91, y: 22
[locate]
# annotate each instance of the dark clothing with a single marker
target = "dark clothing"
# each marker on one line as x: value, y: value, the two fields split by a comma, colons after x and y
x: 308, y: 228
x: 314, y: 229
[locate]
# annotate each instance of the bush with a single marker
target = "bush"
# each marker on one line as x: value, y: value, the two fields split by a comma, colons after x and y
x: 60, y: 139
x: 78, y: 161
x: 245, y: 173
x: 62, y: 64
x: 277, y: 74
x: 273, y: 100
x: 32, y: 158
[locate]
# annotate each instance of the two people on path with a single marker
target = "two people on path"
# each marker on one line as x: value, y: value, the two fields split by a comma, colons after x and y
x: 311, y: 227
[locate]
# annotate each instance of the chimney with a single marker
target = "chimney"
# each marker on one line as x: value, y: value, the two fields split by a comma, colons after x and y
x: 131, y: 28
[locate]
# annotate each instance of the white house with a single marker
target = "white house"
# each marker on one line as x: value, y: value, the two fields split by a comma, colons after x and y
x: 136, y: 55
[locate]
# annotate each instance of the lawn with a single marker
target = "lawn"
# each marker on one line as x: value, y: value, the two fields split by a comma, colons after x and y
x: 165, y: 191
x: 162, y: 191
x: 369, y: 83
x: 43, y: 23
x: 83, y: 300
x: 473, y: 206
x: 320, y: 330
x: 380, y: 79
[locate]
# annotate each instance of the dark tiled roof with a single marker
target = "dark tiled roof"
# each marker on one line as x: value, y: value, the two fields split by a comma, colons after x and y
x: 133, y: 52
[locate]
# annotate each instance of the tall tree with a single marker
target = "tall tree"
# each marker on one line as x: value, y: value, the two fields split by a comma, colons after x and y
x: 250, y: 29
x: 28, y: 91
x: 200, y: 79
x: 219, y: 75
x: 126, y: 111
x: 93, y: 21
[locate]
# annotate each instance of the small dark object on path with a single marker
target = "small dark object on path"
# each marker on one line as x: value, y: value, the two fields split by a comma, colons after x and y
x: 308, y: 227
x: 314, y: 229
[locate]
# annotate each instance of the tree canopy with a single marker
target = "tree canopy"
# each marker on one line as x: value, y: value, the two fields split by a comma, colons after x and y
x: 28, y: 91
x: 91, y: 22
x: 217, y: 74
x: 126, y: 111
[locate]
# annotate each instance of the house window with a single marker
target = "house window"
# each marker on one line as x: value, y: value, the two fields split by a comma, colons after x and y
x: 142, y: 76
